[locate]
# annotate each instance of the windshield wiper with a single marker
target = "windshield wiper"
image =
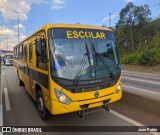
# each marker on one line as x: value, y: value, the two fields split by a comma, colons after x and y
x: 82, y: 65
x: 102, y: 60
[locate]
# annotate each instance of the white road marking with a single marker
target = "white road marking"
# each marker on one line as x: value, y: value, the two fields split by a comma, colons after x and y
x: 1, y: 107
x: 134, y: 74
x: 142, y: 73
x: 1, y: 115
x: 3, y: 73
x: 1, y: 89
x: 141, y: 80
x: 7, y: 99
x: 140, y: 89
x: 130, y: 121
x: 126, y: 118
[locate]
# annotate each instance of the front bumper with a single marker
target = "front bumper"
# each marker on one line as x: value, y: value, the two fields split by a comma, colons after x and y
x: 59, y: 108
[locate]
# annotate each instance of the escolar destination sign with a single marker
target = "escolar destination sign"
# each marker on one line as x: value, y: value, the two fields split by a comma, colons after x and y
x: 85, y: 34
x: 77, y: 33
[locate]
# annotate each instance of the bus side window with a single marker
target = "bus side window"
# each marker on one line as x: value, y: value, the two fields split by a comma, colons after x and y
x: 41, y: 54
x: 25, y: 53
x: 20, y: 52
x: 17, y: 53
x: 30, y: 53
x: 14, y: 51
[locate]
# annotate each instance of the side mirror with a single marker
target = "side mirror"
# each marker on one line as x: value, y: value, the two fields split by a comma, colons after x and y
x: 39, y: 48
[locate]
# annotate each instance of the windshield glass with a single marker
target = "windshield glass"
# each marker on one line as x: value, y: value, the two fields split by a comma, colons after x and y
x: 69, y: 46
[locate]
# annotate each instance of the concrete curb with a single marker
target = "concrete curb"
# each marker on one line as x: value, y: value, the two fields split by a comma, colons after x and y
x: 144, y: 107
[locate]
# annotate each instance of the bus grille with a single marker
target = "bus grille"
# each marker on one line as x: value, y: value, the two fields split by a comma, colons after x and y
x: 88, y: 89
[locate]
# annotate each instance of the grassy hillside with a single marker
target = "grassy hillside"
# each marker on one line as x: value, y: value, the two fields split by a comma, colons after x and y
x: 147, y: 51
x: 147, y: 54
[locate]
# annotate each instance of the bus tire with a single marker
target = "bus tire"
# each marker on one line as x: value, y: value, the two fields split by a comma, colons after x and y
x: 43, y: 112
x: 20, y: 82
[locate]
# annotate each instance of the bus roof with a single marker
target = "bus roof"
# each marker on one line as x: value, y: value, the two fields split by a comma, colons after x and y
x: 47, y: 26
x: 75, y: 26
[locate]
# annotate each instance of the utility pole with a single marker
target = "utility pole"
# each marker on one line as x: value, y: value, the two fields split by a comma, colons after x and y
x: 110, y: 14
x: 7, y: 44
x: 18, y: 23
x: 132, y: 40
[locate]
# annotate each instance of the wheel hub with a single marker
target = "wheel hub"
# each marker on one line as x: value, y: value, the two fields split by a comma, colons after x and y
x: 40, y: 104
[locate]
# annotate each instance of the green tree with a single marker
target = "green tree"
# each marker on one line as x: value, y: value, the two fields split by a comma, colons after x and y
x: 132, y: 19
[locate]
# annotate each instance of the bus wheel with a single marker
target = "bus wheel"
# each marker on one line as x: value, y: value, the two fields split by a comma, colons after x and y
x: 20, y: 82
x: 44, y: 113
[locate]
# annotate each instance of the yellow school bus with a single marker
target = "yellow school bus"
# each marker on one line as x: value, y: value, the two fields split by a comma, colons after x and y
x: 69, y: 68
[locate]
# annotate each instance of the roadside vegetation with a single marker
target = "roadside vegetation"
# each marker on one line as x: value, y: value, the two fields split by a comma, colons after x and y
x: 146, y: 54
x: 138, y: 36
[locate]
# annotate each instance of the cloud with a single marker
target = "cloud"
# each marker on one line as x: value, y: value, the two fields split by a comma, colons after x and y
x: 37, y: 1
x: 8, y: 7
x: 7, y: 10
x: 129, y: 0
x: 57, y: 4
x: 114, y: 15
x: 20, y: 26
x: 5, y: 31
x: 9, y: 36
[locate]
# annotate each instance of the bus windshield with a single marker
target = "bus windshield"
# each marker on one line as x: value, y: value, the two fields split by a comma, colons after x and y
x: 69, y: 46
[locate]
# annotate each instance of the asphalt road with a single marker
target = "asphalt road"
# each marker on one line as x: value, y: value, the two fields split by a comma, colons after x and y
x: 20, y: 110
x: 142, y: 83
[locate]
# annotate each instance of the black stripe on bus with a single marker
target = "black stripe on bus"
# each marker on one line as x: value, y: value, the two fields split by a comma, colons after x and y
x: 26, y: 70
x: 35, y: 75
x: 41, y: 78
x: 31, y: 73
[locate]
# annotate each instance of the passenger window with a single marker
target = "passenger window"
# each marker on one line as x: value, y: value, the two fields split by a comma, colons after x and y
x: 17, y: 53
x: 20, y: 49
x: 30, y: 53
x: 41, y: 54
x: 25, y: 53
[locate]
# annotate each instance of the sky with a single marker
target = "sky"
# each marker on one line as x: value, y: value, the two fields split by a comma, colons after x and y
x: 35, y: 13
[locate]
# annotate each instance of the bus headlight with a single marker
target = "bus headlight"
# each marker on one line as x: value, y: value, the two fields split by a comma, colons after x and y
x: 62, y: 97
x: 118, y: 88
